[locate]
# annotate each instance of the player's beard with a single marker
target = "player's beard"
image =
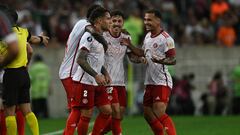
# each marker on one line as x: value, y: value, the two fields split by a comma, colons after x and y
x: 105, y: 27
x: 116, y: 28
x: 148, y: 27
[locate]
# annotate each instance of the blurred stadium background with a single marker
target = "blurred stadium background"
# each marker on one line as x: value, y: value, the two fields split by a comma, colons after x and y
x: 207, y: 38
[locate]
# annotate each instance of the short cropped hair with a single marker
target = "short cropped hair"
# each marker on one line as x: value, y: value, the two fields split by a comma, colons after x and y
x: 91, y: 9
x: 156, y: 12
x: 97, y: 13
x: 117, y: 13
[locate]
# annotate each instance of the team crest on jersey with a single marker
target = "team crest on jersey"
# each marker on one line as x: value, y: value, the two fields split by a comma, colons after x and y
x: 85, y: 101
x: 89, y: 39
x: 155, y: 45
x: 110, y: 98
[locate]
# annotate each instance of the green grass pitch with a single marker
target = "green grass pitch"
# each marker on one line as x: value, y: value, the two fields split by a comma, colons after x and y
x: 185, y: 125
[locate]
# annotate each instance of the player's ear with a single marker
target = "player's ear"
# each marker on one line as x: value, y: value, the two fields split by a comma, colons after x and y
x: 100, y: 20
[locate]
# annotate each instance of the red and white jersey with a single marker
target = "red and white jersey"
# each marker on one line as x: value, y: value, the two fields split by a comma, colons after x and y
x: 69, y: 65
x: 95, y: 59
x: 114, y: 58
x: 160, y: 46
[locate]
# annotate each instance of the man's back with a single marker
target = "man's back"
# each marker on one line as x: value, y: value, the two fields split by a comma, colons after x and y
x: 69, y: 66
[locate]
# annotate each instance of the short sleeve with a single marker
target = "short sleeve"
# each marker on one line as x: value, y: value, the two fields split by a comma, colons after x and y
x: 170, y: 47
x: 86, y: 41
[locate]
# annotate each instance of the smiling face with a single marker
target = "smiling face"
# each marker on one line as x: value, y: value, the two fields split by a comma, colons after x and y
x: 151, y: 22
x: 116, y: 23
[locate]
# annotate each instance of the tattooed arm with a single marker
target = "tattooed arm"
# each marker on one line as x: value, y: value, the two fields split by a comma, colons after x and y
x: 136, y: 59
x: 137, y: 51
x: 82, y: 61
x: 165, y: 61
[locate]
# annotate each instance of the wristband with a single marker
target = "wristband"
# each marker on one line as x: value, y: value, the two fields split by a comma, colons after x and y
x: 41, y: 39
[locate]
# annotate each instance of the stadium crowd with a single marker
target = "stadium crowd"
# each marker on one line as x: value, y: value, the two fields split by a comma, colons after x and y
x: 190, y: 22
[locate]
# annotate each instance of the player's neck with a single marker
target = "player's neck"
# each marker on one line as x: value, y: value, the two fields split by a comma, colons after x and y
x: 114, y: 34
x: 156, y: 32
x: 98, y: 29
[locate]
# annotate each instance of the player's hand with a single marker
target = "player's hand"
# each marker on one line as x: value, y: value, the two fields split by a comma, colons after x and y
x: 125, y: 41
x: 100, y: 79
x: 45, y: 39
x: 108, y: 79
x: 156, y: 59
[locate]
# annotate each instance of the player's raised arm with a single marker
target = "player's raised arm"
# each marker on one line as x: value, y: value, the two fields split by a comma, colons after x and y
x: 39, y: 39
x: 135, y: 50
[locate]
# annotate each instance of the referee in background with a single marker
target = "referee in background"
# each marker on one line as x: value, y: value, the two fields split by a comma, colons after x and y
x: 16, y: 81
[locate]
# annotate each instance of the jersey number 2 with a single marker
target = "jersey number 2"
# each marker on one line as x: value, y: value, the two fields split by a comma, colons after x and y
x: 85, y: 93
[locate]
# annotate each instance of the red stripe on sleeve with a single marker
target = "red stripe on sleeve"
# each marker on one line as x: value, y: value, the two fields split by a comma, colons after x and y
x: 170, y: 52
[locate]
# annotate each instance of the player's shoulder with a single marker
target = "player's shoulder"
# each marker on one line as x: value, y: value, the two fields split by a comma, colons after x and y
x: 87, y: 36
x: 148, y: 35
x: 106, y: 34
x: 18, y: 28
x: 82, y: 23
x: 124, y: 35
x: 165, y: 35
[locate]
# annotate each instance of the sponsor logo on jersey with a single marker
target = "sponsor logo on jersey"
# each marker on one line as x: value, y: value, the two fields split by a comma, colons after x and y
x: 89, y: 39
x: 155, y: 45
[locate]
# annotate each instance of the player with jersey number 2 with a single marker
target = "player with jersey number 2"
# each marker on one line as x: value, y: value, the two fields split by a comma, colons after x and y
x: 159, y: 51
x: 69, y: 65
x: 91, y: 77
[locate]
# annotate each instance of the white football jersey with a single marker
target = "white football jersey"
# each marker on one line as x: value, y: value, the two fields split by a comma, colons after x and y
x: 114, y: 58
x: 95, y: 59
x: 69, y: 65
x: 157, y: 74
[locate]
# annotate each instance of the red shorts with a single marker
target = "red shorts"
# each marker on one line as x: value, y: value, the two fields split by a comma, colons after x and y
x: 68, y: 86
x: 86, y: 96
x: 156, y: 93
x: 117, y: 94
